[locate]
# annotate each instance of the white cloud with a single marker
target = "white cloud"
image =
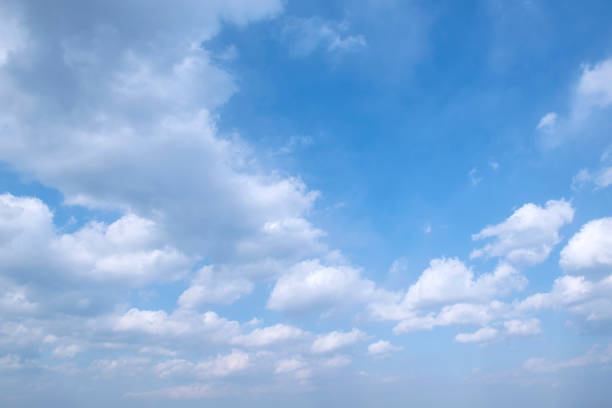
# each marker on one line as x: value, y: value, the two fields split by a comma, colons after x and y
x: 336, y: 361
x: 336, y: 340
x: 13, y: 36
x: 210, y: 288
x: 311, y: 285
x: 289, y: 365
x: 590, y: 302
x: 483, y: 335
x: 307, y: 35
x: 602, y: 178
x: 593, y: 94
x: 147, y: 141
x: 590, y: 248
x: 456, y: 314
x: 548, y: 122
x: 382, y: 347
x: 449, y: 281
x: 178, y: 392
x: 527, y: 327
x: 528, y: 235
x: 262, y: 337
x: 129, y: 250
x: 594, y: 88
x: 474, y: 178
x: 215, y: 367
x: 10, y: 362
x: 67, y: 351
x: 597, y: 355
x: 209, y: 326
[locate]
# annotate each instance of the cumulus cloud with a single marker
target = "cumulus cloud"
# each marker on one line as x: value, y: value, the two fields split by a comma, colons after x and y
x: 129, y: 249
x: 382, y: 348
x: 336, y: 340
x: 215, y: 367
x: 312, y: 285
x: 527, y: 327
x: 146, y: 137
x: 289, y: 365
x: 448, y: 280
x: 528, y: 235
x: 588, y: 301
x: 479, y: 336
x: 590, y: 248
x: 266, y: 336
x: 210, y: 288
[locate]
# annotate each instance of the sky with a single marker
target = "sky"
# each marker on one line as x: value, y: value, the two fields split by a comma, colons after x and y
x: 264, y: 203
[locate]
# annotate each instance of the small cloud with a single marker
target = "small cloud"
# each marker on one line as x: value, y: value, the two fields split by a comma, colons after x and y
x: 548, y: 122
x: 494, y: 165
x: 307, y: 35
x: 382, y: 348
x: 474, y: 177
x: 427, y: 228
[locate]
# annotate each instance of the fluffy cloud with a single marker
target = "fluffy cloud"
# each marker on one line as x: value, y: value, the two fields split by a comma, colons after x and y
x: 590, y: 248
x: 289, y: 365
x: 147, y: 141
x: 449, y: 281
x: 266, y: 336
x: 215, y: 367
x: 528, y: 235
x: 130, y: 250
x: 527, y: 327
x: 311, y: 285
x: 336, y: 340
x: 382, y: 348
x: 479, y: 336
x: 208, y: 287
x: 589, y: 301
x: 179, y: 324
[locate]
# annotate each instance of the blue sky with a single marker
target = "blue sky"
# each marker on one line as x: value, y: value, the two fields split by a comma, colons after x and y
x: 221, y: 203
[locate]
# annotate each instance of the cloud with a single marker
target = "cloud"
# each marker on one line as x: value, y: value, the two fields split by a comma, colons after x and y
x: 382, y: 348
x: 528, y: 235
x: 266, y: 336
x: 129, y: 249
x: 592, y: 95
x: 289, y: 365
x: 474, y: 179
x: 210, y: 288
x: 68, y: 351
x: 590, y: 249
x: 307, y: 35
x: 147, y: 140
x: 12, y: 36
x: 448, y: 280
x: 311, y: 285
x: 548, y: 122
x: 336, y: 340
x: 215, y: 367
x: 527, y: 327
x: 589, y: 301
x: 180, y: 324
x: 597, y: 355
x: 483, y: 335
x: 178, y: 392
